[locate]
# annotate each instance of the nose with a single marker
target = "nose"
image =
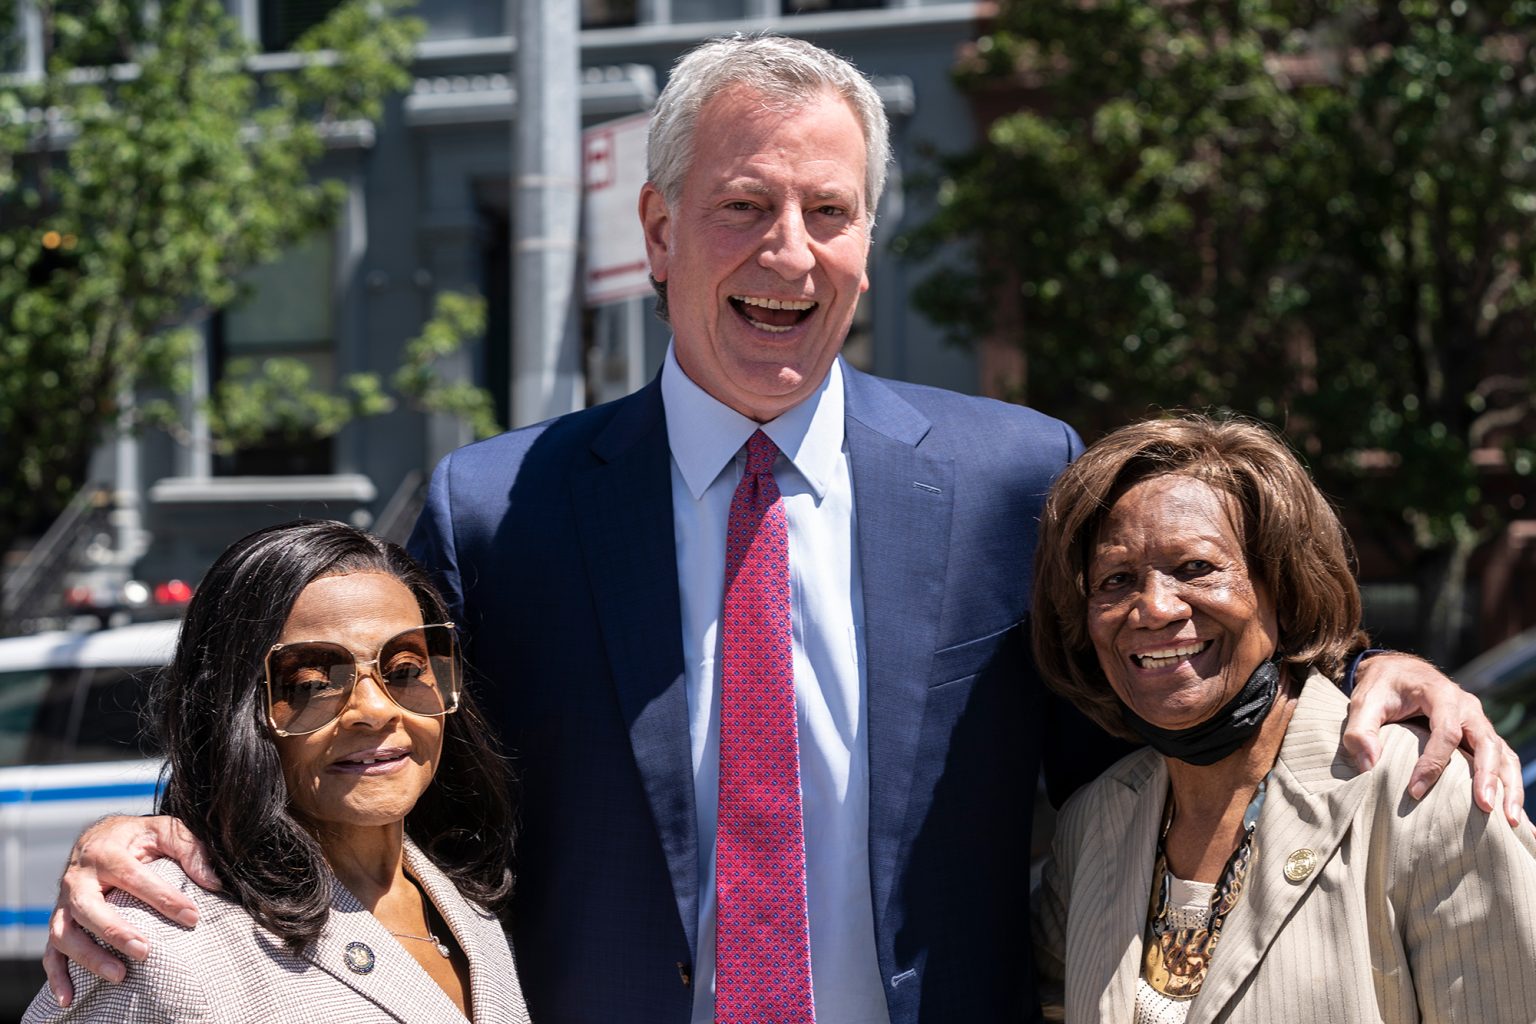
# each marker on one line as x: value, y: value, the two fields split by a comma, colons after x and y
x: 369, y: 706
x: 1159, y: 602
x: 787, y: 248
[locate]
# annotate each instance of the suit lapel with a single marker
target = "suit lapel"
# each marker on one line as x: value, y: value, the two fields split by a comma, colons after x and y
x: 631, y: 563
x: 1110, y: 890
x: 903, y: 500
x: 381, y: 971
x: 1313, y: 797
x: 482, y: 940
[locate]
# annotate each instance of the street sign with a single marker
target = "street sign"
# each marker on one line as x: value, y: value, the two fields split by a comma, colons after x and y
x: 613, y: 160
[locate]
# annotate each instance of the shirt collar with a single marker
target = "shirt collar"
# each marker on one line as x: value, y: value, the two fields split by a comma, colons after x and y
x: 705, y: 434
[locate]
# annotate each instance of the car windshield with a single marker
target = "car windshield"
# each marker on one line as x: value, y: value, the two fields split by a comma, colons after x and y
x: 1511, y: 703
x: 1509, y: 699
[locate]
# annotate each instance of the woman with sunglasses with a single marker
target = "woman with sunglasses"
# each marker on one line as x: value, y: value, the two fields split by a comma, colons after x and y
x: 320, y: 745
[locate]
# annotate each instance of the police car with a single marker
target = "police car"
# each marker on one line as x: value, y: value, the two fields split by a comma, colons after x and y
x: 71, y: 750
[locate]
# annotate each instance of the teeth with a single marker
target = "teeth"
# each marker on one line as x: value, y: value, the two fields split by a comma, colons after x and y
x: 795, y: 304
x: 1170, y: 656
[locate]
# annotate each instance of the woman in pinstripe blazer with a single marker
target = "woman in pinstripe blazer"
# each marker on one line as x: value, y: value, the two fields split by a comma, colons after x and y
x: 1193, y: 591
x: 346, y: 795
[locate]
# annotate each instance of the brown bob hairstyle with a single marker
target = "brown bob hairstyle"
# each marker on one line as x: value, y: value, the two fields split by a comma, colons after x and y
x: 1294, y: 542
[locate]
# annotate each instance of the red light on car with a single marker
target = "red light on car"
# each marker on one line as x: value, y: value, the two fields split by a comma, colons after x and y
x: 80, y: 597
x: 172, y: 592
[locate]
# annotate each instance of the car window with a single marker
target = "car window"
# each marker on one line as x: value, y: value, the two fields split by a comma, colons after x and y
x: 88, y: 715
x: 21, y: 694
x: 55, y: 718
x: 1511, y: 704
x: 108, y: 726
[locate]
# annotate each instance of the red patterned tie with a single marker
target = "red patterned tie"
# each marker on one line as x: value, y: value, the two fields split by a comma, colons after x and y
x: 762, y: 938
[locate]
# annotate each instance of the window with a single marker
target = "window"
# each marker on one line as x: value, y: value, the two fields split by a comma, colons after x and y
x: 283, y: 21
x: 87, y: 34
x: 607, y: 13
x: 814, y: 6
x: 21, y: 693
x: 1511, y: 701
x: 287, y: 314
x: 110, y: 727
x: 53, y: 718
x: 13, y: 40
x: 68, y: 715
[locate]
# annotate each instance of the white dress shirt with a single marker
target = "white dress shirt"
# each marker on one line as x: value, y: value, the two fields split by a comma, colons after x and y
x: 827, y: 608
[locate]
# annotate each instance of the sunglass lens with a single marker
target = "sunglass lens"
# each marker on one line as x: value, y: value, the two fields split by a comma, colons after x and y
x: 419, y: 668
x: 309, y: 684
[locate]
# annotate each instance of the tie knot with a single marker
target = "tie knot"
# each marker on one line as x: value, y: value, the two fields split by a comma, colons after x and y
x: 761, y: 451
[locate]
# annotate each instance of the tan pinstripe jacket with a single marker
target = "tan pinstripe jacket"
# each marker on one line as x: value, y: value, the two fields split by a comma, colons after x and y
x: 1413, y: 912
x: 230, y: 969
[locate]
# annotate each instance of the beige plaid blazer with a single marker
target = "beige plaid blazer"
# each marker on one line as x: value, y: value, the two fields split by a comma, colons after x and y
x: 1411, y: 912
x: 229, y: 969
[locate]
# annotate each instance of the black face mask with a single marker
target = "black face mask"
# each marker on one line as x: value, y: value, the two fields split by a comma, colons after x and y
x: 1222, y: 733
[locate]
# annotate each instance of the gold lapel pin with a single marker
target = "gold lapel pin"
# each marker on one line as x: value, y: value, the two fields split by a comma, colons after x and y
x: 1300, y: 864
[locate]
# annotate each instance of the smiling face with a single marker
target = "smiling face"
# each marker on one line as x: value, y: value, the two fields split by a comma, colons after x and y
x: 764, y: 254
x: 1177, y: 622
x: 367, y: 768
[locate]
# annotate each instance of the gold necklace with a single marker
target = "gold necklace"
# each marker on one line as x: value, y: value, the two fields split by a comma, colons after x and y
x: 431, y: 936
x: 1175, y: 960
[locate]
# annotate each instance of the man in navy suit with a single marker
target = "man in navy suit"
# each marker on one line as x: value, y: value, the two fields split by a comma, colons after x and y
x: 583, y: 558
x: 580, y: 552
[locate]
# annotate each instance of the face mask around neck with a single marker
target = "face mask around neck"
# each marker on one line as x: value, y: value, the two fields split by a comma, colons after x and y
x: 1222, y: 733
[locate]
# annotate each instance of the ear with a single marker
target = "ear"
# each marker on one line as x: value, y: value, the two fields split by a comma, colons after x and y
x: 869, y: 246
x: 656, y: 224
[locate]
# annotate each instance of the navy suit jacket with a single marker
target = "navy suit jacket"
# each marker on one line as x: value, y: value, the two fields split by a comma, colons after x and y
x: 554, y: 545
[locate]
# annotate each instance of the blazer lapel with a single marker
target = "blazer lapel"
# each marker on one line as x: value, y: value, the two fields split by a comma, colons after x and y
x: 902, y: 502
x: 480, y: 935
x: 1314, y: 794
x: 356, y: 950
x: 631, y: 563
x: 1110, y: 891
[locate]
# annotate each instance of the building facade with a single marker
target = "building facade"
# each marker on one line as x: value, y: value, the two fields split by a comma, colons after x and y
x: 428, y: 209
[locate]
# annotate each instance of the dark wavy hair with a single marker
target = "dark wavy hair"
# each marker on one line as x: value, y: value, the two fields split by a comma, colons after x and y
x: 1294, y: 543
x: 222, y: 774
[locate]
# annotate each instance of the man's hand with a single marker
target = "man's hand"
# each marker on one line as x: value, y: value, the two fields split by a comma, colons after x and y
x: 1394, y: 687
x: 113, y: 854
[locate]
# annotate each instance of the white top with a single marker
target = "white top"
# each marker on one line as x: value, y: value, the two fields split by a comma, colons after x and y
x: 1189, y: 906
x: 708, y: 442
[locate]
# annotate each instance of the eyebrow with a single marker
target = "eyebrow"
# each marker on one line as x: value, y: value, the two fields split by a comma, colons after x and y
x: 836, y: 195
x: 750, y: 187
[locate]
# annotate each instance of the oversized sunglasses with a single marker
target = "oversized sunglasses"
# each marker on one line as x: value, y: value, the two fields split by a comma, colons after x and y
x: 310, y: 683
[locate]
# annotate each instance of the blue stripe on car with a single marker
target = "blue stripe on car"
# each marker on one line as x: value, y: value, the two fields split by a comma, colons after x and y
x: 63, y: 793
x: 31, y: 917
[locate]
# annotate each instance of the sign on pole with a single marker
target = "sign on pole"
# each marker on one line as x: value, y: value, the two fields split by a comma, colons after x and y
x: 613, y: 158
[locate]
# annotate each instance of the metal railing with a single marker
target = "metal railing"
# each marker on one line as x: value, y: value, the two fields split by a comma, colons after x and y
x: 32, y: 590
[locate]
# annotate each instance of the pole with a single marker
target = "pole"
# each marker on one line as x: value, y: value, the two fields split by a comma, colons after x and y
x: 546, y: 157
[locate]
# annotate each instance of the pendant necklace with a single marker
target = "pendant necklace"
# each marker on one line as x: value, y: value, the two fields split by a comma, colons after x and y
x: 431, y: 936
x: 1175, y: 960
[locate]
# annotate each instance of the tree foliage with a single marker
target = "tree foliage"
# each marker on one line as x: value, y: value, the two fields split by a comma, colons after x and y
x: 1318, y: 212
x: 277, y: 397
x: 140, y: 176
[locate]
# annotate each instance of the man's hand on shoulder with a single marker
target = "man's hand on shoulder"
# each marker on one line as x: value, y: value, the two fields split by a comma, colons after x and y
x: 112, y: 854
x: 1394, y: 687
